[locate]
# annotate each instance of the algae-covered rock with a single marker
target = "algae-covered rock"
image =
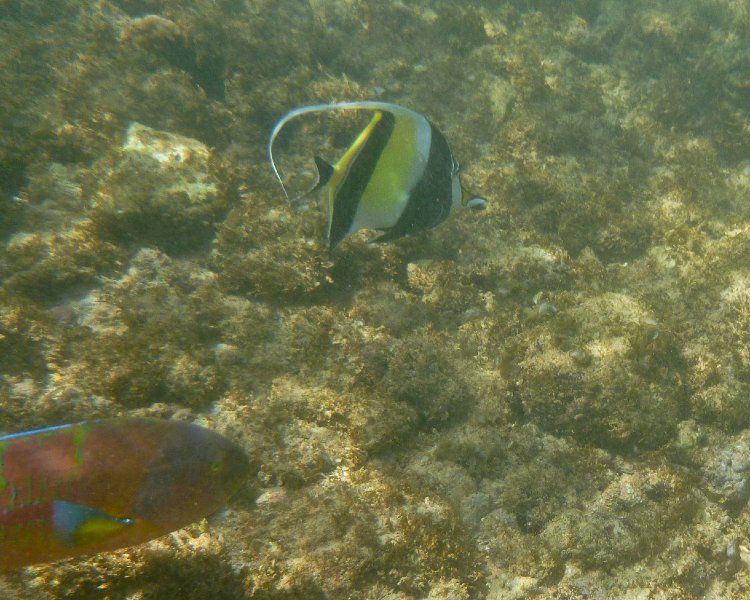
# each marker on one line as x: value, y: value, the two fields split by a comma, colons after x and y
x: 547, y: 399
x: 359, y: 528
x: 420, y: 374
x: 160, y: 189
x: 23, y: 341
x: 272, y: 252
x: 602, y: 371
x: 148, y: 336
x: 52, y: 266
x: 617, y: 528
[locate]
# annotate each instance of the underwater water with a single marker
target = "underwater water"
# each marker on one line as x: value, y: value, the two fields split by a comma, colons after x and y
x: 549, y: 398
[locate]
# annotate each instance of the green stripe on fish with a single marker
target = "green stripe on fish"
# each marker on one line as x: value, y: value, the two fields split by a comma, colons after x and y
x: 398, y: 176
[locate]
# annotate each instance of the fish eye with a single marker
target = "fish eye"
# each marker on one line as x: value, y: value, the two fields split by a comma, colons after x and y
x: 216, y: 465
x: 476, y: 203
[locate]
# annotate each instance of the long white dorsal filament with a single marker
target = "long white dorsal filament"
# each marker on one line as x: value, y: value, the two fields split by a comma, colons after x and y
x: 317, y: 108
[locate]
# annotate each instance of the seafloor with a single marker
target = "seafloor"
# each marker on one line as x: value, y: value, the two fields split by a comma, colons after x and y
x: 550, y: 399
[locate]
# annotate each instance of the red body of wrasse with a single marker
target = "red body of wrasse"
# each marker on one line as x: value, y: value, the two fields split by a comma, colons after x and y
x: 102, y: 485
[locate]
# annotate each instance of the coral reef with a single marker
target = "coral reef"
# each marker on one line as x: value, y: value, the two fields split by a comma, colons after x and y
x: 548, y: 399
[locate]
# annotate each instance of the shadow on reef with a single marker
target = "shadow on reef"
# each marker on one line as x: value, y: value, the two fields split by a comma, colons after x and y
x: 199, y: 576
x: 164, y: 38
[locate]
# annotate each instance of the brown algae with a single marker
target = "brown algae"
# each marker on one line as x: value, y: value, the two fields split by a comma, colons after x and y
x: 548, y: 399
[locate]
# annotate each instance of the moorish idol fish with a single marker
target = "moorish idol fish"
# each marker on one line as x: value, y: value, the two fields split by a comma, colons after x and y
x: 398, y: 176
x: 100, y: 485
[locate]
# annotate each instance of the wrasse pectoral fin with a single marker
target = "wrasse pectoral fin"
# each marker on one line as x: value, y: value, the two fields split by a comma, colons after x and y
x: 79, y: 525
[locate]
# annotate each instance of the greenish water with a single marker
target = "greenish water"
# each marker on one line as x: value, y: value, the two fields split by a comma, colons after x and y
x: 548, y: 398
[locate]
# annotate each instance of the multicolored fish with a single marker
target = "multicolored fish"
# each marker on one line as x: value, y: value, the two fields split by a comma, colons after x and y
x: 399, y: 176
x: 102, y: 485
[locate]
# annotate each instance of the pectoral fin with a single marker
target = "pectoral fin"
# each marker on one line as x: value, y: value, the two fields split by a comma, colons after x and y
x: 325, y: 170
x: 80, y: 525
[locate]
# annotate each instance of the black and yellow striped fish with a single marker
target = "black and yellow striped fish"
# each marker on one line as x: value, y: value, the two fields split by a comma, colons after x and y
x: 398, y: 176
